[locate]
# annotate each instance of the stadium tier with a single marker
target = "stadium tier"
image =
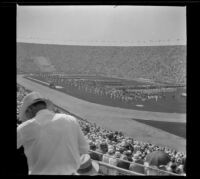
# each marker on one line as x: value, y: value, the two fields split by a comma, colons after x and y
x: 157, y: 63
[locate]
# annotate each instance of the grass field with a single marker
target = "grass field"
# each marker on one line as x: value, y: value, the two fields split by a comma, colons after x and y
x: 175, y: 128
x: 169, y: 104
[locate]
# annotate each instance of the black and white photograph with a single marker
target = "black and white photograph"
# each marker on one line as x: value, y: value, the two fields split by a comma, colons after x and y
x: 101, y: 90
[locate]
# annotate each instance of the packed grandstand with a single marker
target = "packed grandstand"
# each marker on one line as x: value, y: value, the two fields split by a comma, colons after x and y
x: 157, y: 63
x: 117, y: 153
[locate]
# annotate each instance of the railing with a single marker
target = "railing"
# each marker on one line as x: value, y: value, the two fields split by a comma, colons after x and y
x: 107, y: 169
x: 129, y: 172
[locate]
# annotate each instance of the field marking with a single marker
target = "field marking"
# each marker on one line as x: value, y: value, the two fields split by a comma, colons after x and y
x: 38, y: 80
x: 139, y: 105
x: 59, y: 87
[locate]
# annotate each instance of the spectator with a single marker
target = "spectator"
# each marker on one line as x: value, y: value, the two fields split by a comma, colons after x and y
x: 128, y: 153
x: 121, y: 149
x: 92, y: 146
x: 115, y: 159
x: 122, y: 163
x: 173, y: 167
x: 162, y: 169
x: 157, y: 160
x: 136, y: 156
x: 137, y: 168
x: 88, y: 167
x: 52, y: 142
x: 103, y: 147
x: 152, y: 170
x: 179, y: 170
x: 98, y: 155
x: 108, y: 155
x: 95, y: 156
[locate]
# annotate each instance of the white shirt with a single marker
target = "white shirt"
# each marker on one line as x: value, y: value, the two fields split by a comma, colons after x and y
x: 52, y: 143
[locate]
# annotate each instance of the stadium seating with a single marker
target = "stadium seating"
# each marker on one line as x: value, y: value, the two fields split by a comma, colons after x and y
x: 160, y: 63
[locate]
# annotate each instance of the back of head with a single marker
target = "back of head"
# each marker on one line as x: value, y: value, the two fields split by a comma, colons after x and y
x: 103, y: 147
x: 93, y: 147
x: 28, y: 104
x: 40, y: 105
x: 35, y: 108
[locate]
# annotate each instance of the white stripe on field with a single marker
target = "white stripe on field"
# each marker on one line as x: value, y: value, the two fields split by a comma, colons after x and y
x: 38, y: 80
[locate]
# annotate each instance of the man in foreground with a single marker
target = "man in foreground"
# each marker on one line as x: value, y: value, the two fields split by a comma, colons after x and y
x: 53, y: 143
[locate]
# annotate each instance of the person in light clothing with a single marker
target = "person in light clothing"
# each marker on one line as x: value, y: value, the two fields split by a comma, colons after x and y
x: 53, y: 142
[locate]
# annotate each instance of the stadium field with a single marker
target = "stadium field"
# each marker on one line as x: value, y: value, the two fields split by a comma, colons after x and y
x: 167, y: 105
x: 115, y: 118
x: 173, y: 117
x: 175, y: 128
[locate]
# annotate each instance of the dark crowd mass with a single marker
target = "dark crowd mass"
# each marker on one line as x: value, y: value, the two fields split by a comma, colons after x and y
x: 117, y: 149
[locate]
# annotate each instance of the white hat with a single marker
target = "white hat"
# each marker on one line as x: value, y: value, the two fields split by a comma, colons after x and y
x: 28, y: 100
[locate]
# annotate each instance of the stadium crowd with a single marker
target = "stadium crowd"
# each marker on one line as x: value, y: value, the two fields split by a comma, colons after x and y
x: 116, y: 149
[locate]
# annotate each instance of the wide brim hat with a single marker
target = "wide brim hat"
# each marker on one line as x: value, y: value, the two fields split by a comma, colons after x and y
x: 29, y: 100
x: 157, y: 158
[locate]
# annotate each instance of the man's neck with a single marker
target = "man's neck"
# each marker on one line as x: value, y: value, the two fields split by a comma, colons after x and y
x: 39, y: 110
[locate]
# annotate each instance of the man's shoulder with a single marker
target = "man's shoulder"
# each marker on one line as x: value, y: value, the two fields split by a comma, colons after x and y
x: 26, y: 123
x: 65, y: 116
x: 29, y: 125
